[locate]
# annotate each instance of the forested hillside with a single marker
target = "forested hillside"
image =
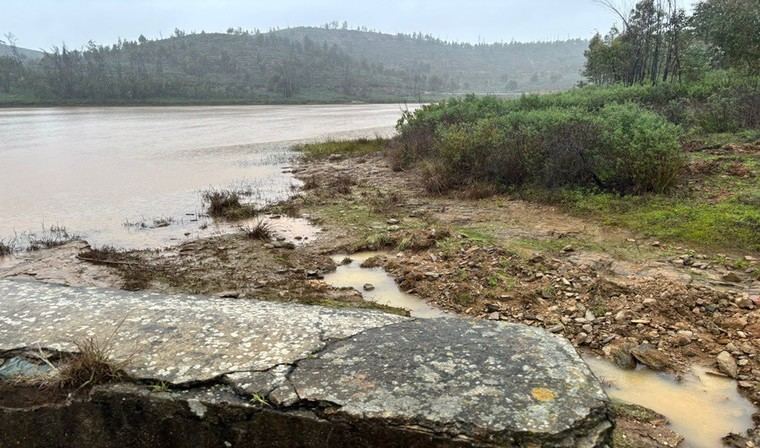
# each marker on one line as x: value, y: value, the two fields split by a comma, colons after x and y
x: 293, y: 65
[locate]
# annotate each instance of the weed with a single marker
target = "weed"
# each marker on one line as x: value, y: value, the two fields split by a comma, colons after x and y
x: 382, y: 203
x: 8, y: 247
x: 261, y: 231
x: 227, y: 204
x: 160, y: 387
x: 52, y: 237
x: 342, y: 183
x: 463, y: 298
x: 311, y: 183
x: 259, y: 400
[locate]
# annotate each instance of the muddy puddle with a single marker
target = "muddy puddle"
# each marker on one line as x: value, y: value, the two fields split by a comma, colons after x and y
x: 384, y: 288
x: 701, y: 407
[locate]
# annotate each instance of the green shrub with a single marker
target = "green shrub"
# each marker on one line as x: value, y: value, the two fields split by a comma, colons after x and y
x: 722, y: 101
x: 621, y: 148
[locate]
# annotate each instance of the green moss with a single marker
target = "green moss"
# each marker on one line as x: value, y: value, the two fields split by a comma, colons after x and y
x: 725, y: 225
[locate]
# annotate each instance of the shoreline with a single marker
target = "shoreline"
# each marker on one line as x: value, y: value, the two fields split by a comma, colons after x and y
x: 609, y: 291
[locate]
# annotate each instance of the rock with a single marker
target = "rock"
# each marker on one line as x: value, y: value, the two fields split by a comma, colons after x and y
x: 492, y: 307
x: 735, y: 323
x: 20, y: 367
x: 556, y: 328
x: 316, y: 275
x: 622, y: 357
x: 392, y: 222
x: 380, y: 379
x: 683, y: 337
x: 650, y: 357
x: 378, y: 359
x: 283, y: 245
x: 732, y: 277
x: 568, y: 249
x: 621, y: 315
x: 228, y: 294
x: 745, y: 302
x: 346, y: 261
x: 368, y: 287
x: 589, y: 316
x: 727, y: 364
x: 536, y: 258
x: 649, y: 302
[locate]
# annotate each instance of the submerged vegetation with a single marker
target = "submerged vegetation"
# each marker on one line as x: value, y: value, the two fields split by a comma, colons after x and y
x: 228, y: 204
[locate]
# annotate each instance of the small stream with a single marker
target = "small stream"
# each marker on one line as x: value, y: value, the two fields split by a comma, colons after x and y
x: 385, y: 291
x: 701, y: 407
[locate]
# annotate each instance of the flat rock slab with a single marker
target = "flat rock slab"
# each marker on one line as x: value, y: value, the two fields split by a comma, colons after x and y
x: 491, y: 380
x: 490, y: 383
x: 173, y: 338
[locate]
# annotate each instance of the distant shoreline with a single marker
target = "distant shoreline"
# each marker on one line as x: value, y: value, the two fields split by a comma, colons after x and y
x: 178, y: 103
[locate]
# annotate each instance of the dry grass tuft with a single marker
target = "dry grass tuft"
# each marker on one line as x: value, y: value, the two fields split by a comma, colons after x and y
x: 262, y: 231
x: 91, y: 365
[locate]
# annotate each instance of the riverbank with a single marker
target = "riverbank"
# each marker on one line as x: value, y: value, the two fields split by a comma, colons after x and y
x: 612, y: 292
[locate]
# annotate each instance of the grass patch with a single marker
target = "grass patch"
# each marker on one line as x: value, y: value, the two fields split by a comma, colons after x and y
x: 729, y: 224
x: 478, y: 236
x: 261, y: 231
x: 342, y: 147
x: 52, y: 237
x: 228, y: 204
x: 92, y: 364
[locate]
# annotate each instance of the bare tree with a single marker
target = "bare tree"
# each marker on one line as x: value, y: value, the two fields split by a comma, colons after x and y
x: 622, y: 9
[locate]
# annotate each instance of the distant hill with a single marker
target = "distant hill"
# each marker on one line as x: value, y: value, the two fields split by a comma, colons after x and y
x: 24, y: 53
x: 485, y: 68
x: 291, y: 65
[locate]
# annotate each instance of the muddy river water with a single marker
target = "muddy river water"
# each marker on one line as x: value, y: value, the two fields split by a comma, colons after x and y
x: 117, y: 176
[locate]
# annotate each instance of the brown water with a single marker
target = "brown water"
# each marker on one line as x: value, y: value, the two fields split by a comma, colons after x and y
x: 100, y: 171
x: 702, y: 407
x: 386, y: 290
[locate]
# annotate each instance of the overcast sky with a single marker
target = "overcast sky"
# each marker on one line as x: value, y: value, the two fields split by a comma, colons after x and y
x: 43, y: 23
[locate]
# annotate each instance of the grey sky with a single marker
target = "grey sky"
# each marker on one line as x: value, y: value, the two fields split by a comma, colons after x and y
x: 43, y: 23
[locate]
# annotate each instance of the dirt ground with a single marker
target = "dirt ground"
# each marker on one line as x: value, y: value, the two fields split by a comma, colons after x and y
x: 611, y: 292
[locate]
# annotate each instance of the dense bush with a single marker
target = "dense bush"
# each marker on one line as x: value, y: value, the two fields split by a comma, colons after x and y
x: 721, y: 101
x: 622, y: 139
x: 621, y: 148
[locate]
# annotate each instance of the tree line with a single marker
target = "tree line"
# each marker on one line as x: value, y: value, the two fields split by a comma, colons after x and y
x: 292, y: 65
x: 658, y: 41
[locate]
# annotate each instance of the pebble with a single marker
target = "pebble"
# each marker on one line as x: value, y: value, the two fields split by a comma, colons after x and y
x: 369, y: 287
x: 727, y: 364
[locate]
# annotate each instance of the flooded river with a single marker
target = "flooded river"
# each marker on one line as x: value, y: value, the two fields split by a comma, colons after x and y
x: 118, y: 176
